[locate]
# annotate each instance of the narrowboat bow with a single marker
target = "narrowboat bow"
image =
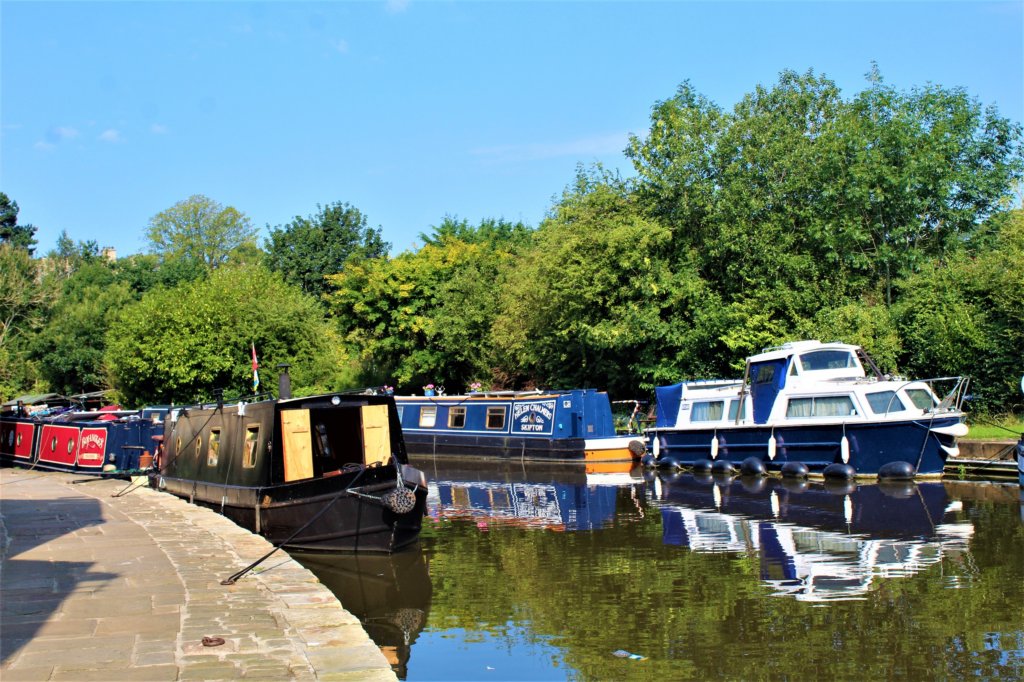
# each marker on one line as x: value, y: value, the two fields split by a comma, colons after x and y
x: 322, y: 473
x: 810, y: 408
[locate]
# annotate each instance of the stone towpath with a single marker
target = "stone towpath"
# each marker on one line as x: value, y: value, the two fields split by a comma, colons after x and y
x: 96, y: 586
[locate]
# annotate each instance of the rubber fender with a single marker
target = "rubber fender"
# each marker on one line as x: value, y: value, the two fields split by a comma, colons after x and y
x: 649, y: 461
x: 637, y: 448
x: 753, y: 466
x: 722, y: 466
x: 702, y: 465
x: 669, y: 462
x: 840, y: 471
x: 795, y: 470
x: 896, y: 471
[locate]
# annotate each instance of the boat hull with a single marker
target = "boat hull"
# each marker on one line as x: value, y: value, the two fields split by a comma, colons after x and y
x: 870, y: 446
x: 522, y: 447
x: 350, y: 516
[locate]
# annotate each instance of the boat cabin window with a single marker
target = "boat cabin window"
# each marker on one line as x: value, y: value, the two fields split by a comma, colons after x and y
x: 213, y: 449
x: 252, y: 437
x: 922, y: 399
x: 765, y: 374
x: 734, y: 408
x: 708, y: 411
x: 883, y: 402
x: 428, y: 416
x: 827, y: 359
x: 496, y: 417
x: 457, y: 418
x: 820, y: 406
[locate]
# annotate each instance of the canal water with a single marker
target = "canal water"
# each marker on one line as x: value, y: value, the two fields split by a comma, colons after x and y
x: 560, y: 573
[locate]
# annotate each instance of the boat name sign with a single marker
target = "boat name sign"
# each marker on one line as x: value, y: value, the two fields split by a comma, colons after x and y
x: 534, y: 416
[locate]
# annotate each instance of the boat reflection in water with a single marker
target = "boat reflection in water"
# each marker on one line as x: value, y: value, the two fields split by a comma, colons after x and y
x: 816, y: 542
x: 389, y: 593
x: 561, y: 497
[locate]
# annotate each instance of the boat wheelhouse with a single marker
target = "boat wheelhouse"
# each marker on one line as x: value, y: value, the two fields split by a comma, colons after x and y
x: 810, y: 408
x: 574, y: 425
x: 52, y: 432
x: 322, y: 473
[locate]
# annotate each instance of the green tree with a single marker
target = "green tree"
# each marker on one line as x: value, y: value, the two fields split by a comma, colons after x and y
x: 11, y: 232
x: 25, y: 295
x: 820, y: 199
x: 201, y: 229
x: 70, y: 347
x: 181, y: 344
x: 425, y: 316
x: 596, y: 302
x: 965, y: 315
x: 306, y: 250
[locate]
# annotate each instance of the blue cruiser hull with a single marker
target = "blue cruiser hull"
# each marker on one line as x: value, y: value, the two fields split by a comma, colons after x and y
x: 870, y: 445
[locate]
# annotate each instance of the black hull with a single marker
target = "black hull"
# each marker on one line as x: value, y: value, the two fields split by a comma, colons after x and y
x: 346, y: 520
x: 505, y: 447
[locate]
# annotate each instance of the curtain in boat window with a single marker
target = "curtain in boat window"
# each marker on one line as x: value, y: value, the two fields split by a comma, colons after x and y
x: 799, y: 407
x: 707, y: 411
x: 833, y: 406
x: 821, y: 406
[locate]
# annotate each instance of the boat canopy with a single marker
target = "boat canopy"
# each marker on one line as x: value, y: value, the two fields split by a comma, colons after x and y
x: 667, y: 405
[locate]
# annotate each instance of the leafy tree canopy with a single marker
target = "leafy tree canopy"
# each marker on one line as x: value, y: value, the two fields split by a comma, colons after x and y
x: 181, y: 344
x: 307, y: 250
x: 22, y: 236
x: 200, y: 229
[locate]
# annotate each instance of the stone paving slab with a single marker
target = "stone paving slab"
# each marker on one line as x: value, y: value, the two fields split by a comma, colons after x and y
x: 100, y: 585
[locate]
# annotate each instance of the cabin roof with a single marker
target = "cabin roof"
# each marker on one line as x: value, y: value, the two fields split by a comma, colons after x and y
x: 792, y: 348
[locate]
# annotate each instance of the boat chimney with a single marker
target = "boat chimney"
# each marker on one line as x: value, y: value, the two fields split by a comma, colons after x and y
x: 284, y: 382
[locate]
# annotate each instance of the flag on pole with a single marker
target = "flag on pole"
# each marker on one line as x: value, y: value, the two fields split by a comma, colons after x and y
x: 255, y: 374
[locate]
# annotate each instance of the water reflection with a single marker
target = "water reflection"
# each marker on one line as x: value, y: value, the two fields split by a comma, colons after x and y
x: 390, y: 594
x: 815, y: 541
x: 545, y: 572
x: 554, y: 497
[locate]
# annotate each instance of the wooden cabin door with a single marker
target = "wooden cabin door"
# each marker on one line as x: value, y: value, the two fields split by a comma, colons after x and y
x: 296, y: 445
x: 376, y: 434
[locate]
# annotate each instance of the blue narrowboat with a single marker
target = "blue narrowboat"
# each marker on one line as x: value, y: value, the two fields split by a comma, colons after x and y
x: 810, y: 408
x: 575, y: 425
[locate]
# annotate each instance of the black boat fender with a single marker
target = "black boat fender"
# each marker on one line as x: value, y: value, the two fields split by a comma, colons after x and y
x: 795, y: 470
x: 723, y: 466
x: 896, y: 471
x: 753, y: 466
x: 669, y: 462
x: 702, y: 466
x: 649, y: 461
x: 839, y: 471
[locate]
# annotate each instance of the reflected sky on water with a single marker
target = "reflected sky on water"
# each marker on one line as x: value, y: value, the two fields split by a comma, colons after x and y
x: 548, y: 572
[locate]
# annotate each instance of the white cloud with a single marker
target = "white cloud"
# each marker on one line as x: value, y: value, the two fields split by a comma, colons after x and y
x: 158, y: 129
x: 111, y: 135
x: 396, y: 6
x: 341, y: 46
x: 44, y: 145
x: 582, y: 148
x: 64, y: 133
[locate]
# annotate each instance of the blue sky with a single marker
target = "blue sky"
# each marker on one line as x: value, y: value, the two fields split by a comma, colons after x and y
x: 413, y: 110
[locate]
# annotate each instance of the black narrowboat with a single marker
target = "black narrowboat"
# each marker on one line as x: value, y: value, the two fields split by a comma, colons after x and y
x: 322, y: 473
